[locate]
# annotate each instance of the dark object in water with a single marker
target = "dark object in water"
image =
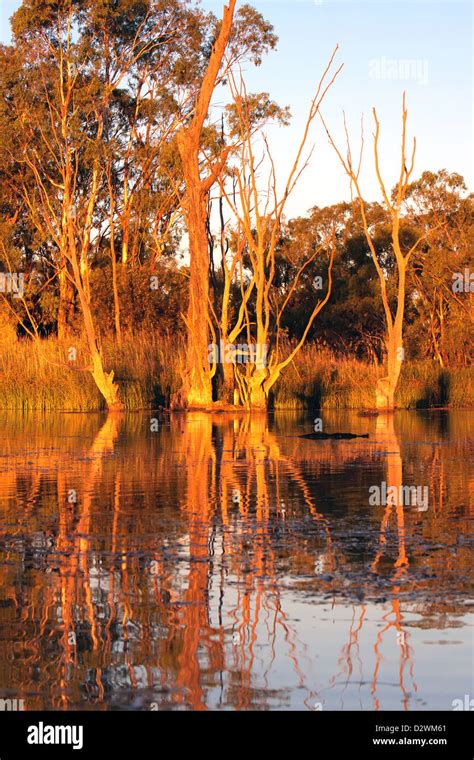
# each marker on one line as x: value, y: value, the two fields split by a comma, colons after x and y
x: 332, y: 436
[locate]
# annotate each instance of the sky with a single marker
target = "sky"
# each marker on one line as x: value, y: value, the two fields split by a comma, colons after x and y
x: 423, y: 47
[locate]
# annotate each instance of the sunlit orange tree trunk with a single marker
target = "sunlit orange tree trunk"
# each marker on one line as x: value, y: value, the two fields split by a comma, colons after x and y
x: 258, y: 212
x: 394, y: 317
x: 197, y: 386
x: 241, y: 35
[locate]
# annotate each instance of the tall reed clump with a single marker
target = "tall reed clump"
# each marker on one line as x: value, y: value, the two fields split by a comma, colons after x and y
x: 425, y: 384
x: 30, y: 378
x: 318, y: 379
x: 39, y: 374
x: 146, y: 367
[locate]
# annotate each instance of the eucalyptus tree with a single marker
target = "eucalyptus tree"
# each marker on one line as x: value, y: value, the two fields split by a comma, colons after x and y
x: 401, y: 249
x: 439, y: 205
x: 238, y: 36
x: 258, y: 206
x: 73, y: 63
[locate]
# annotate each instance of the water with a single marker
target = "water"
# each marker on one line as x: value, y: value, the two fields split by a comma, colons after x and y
x: 221, y: 562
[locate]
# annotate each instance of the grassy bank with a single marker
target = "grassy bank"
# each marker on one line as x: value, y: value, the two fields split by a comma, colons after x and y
x: 36, y: 375
x: 318, y: 379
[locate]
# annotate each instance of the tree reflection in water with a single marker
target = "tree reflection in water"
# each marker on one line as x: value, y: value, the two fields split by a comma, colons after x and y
x: 197, y: 567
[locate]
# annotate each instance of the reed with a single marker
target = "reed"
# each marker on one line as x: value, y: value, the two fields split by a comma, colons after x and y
x: 35, y: 375
x: 318, y: 379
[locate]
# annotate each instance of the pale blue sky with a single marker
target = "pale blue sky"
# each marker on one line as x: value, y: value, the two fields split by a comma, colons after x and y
x: 436, y: 35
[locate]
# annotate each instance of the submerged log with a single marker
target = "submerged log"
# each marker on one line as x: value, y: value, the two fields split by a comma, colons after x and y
x: 332, y: 436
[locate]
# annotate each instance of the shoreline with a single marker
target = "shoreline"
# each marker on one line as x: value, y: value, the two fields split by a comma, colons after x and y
x: 148, y: 370
x: 358, y: 411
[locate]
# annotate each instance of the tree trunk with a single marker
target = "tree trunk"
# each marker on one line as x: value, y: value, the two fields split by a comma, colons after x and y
x: 387, y: 386
x: 258, y: 397
x: 227, y: 390
x: 196, y: 390
x: 113, y: 259
x: 113, y: 263
x: 441, y: 351
x: 125, y: 237
x: 66, y: 303
x: 197, y: 386
x: 104, y: 381
x: 255, y: 387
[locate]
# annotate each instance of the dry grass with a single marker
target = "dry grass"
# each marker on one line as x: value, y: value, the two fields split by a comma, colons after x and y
x: 319, y: 380
x: 35, y: 375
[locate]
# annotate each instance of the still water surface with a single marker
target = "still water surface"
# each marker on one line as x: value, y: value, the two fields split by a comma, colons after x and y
x: 221, y: 562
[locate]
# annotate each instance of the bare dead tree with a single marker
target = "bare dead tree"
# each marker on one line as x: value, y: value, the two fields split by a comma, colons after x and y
x: 394, y: 320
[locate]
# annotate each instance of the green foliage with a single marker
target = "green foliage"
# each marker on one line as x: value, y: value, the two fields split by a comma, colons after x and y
x: 252, y: 36
x: 153, y: 301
